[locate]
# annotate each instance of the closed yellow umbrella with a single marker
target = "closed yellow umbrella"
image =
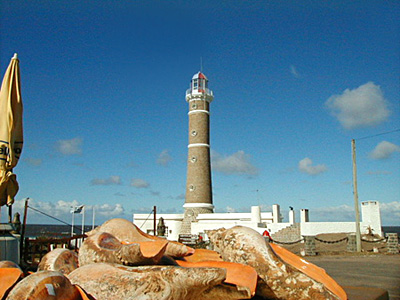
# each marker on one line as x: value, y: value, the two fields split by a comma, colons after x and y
x: 11, y: 131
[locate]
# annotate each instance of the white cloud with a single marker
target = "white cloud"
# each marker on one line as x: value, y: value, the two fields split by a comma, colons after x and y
x: 305, y: 166
x: 390, y: 212
x: 362, y: 107
x: 139, y: 183
x: 164, y: 158
x: 237, y: 163
x: 341, y: 213
x: 294, y: 72
x: 36, y: 162
x: 70, y: 147
x: 384, y: 150
x: 109, y: 210
x: 62, y: 211
x: 230, y: 209
x: 113, y: 180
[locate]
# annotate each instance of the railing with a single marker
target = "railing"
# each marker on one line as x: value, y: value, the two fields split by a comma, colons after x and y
x: 200, y: 91
x: 35, y: 249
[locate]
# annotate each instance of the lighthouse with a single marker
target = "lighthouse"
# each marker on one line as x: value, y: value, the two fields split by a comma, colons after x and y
x: 198, y: 181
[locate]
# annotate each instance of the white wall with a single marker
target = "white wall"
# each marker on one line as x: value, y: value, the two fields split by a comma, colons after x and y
x: 276, y: 212
x: 314, y: 228
x: 228, y: 220
x: 371, y: 216
x: 304, y: 215
x: 292, y: 217
x: 172, y: 221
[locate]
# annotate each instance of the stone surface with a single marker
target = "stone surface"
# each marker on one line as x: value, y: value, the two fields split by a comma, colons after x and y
x: 127, y: 232
x: 60, y: 259
x: 44, y: 285
x: 277, y: 279
x: 104, y: 247
x: 108, y: 281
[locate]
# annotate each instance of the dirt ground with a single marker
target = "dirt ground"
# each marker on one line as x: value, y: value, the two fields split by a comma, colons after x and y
x: 367, y: 270
x: 372, y: 268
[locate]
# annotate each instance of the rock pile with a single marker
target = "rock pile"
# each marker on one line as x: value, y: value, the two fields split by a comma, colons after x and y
x: 119, y: 261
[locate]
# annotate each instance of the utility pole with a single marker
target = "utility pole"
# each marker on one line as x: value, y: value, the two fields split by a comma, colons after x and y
x: 355, y: 193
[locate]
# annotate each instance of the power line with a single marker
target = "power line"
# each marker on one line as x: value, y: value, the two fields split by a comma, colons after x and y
x: 152, y: 211
x: 52, y: 217
x: 375, y: 135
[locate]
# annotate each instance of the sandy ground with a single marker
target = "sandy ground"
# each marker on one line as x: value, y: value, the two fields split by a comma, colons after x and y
x: 372, y: 270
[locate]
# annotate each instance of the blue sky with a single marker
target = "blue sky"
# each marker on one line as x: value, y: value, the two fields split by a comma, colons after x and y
x: 105, y: 117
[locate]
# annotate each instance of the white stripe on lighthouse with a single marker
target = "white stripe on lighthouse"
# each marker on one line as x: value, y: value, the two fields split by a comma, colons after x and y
x: 198, y: 145
x: 199, y: 205
x: 199, y: 111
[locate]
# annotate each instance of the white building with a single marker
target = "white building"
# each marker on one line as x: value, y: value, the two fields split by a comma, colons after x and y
x: 261, y: 221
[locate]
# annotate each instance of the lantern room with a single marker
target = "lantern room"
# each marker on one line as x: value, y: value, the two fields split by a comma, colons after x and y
x: 199, y: 85
x: 199, y: 82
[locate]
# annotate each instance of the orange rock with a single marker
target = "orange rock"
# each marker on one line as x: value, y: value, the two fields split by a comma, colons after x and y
x: 127, y: 232
x: 203, y: 255
x: 60, y: 259
x: 8, y: 264
x: 44, y: 285
x: 244, y: 277
x: 278, y: 279
x: 309, y: 269
x: 83, y: 294
x: 118, y: 282
x: 8, y: 278
x: 104, y: 247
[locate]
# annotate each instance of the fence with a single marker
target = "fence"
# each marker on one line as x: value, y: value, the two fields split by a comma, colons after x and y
x: 313, y: 245
x: 35, y: 249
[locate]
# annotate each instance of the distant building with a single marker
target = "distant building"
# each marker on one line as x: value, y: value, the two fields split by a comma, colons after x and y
x: 370, y: 213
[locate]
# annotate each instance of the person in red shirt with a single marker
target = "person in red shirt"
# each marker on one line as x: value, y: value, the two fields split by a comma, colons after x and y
x: 267, y: 236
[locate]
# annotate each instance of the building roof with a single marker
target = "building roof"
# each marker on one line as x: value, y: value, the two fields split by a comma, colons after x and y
x: 199, y: 75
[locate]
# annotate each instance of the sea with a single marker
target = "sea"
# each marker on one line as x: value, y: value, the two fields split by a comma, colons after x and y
x: 54, y: 231
x: 39, y: 230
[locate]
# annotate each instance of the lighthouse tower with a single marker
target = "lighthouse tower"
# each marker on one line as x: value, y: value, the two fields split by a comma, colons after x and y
x: 198, y: 182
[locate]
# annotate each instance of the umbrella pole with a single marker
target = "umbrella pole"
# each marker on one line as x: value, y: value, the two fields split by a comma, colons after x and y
x: 22, y: 249
x: 9, y: 213
x: 155, y: 220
